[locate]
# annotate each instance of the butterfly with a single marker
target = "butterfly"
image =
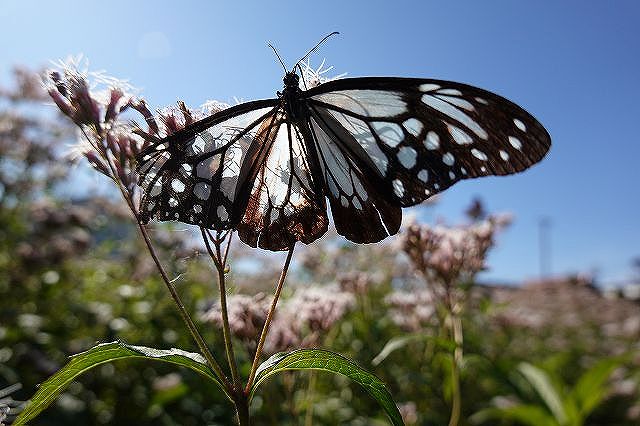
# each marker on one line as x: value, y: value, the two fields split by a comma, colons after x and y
x: 370, y: 146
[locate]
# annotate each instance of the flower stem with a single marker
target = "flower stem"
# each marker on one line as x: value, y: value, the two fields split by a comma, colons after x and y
x: 265, y: 328
x: 456, y: 333
x: 197, y: 337
x: 242, y: 411
x: 220, y: 264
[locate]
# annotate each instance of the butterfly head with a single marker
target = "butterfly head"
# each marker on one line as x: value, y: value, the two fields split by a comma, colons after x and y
x: 291, y: 81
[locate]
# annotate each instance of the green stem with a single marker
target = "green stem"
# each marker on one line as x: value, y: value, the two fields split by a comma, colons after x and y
x: 197, y: 337
x: 226, y: 329
x: 242, y: 410
x: 456, y: 334
x: 308, y: 420
x: 265, y: 328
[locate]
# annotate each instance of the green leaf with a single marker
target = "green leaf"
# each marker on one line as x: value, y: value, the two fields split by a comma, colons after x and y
x: 592, y: 387
x: 101, y: 354
x: 521, y: 413
x: 319, y: 359
x: 395, y: 344
x: 542, y: 383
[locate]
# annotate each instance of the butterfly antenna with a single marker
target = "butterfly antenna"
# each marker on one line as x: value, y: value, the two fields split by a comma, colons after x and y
x: 315, y: 48
x: 279, y: 58
x: 304, y: 81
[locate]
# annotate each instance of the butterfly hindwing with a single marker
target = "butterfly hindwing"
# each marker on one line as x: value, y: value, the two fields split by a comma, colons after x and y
x: 360, y: 212
x: 422, y: 136
x: 284, y: 205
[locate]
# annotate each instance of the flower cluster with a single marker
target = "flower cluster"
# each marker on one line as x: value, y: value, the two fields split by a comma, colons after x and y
x: 411, y: 311
x: 107, y: 141
x: 96, y: 104
x: 316, y: 76
x: 452, y: 254
x: 301, y: 320
x: 246, y: 315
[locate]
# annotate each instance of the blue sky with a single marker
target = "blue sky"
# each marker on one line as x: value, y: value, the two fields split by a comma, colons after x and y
x: 573, y: 64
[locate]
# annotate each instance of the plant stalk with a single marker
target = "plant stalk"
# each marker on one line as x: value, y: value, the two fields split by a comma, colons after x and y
x: 226, y: 329
x: 197, y: 337
x: 265, y: 328
x: 456, y: 333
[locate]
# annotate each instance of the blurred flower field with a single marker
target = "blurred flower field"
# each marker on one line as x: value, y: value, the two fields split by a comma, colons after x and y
x: 74, y: 272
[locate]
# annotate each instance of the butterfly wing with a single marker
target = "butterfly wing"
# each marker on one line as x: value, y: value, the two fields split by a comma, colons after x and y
x: 285, y: 202
x: 413, y: 138
x: 193, y: 176
x: 360, y: 211
x: 245, y: 167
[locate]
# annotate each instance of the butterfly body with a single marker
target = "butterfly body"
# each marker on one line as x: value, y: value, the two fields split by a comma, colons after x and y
x: 369, y: 145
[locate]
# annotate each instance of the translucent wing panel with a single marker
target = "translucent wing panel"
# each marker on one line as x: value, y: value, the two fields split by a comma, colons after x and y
x: 193, y: 177
x: 360, y: 212
x: 369, y: 103
x: 283, y: 207
x: 421, y: 136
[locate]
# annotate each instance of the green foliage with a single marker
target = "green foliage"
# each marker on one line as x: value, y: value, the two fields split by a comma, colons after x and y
x: 101, y: 354
x: 558, y: 404
x: 318, y: 359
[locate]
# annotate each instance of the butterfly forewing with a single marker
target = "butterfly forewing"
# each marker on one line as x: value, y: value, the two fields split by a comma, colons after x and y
x: 192, y: 176
x: 422, y: 136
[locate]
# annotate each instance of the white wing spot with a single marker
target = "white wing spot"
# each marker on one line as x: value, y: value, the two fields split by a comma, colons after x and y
x: 413, y: 126
x: 197, y: 208
x: 356, y: 203
x: 515, y: 142
x: 504, y: 155
x: 156, y: 189
x: 198, y: 146
x: 187, y: 167
x: 344, y: 201
x: 428, y: 87
x: 448, y: 159
x: 151, y: 205
x: 173, y: 202
x: 398, y: 188
x: 436, y: 186
x: 482, y: 100
x: 433, y: 141
x: 427, y: 192
x: 177, y: 185
x: 202, y: 190
x: 519, y: 124
x: 423, y: 175
x: 483, y: 169
x: 222, y: 213
x: 390, y: 133
x: 463, y: 171
x: 360, y: 189
x: 453, y: 92
x: 407, y: 156
x: 459, y: 135
x: 452, y: 175
x: 479, y: 154
x: 451, y: 110
x: 460, y: 103
x: 177, y: 215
